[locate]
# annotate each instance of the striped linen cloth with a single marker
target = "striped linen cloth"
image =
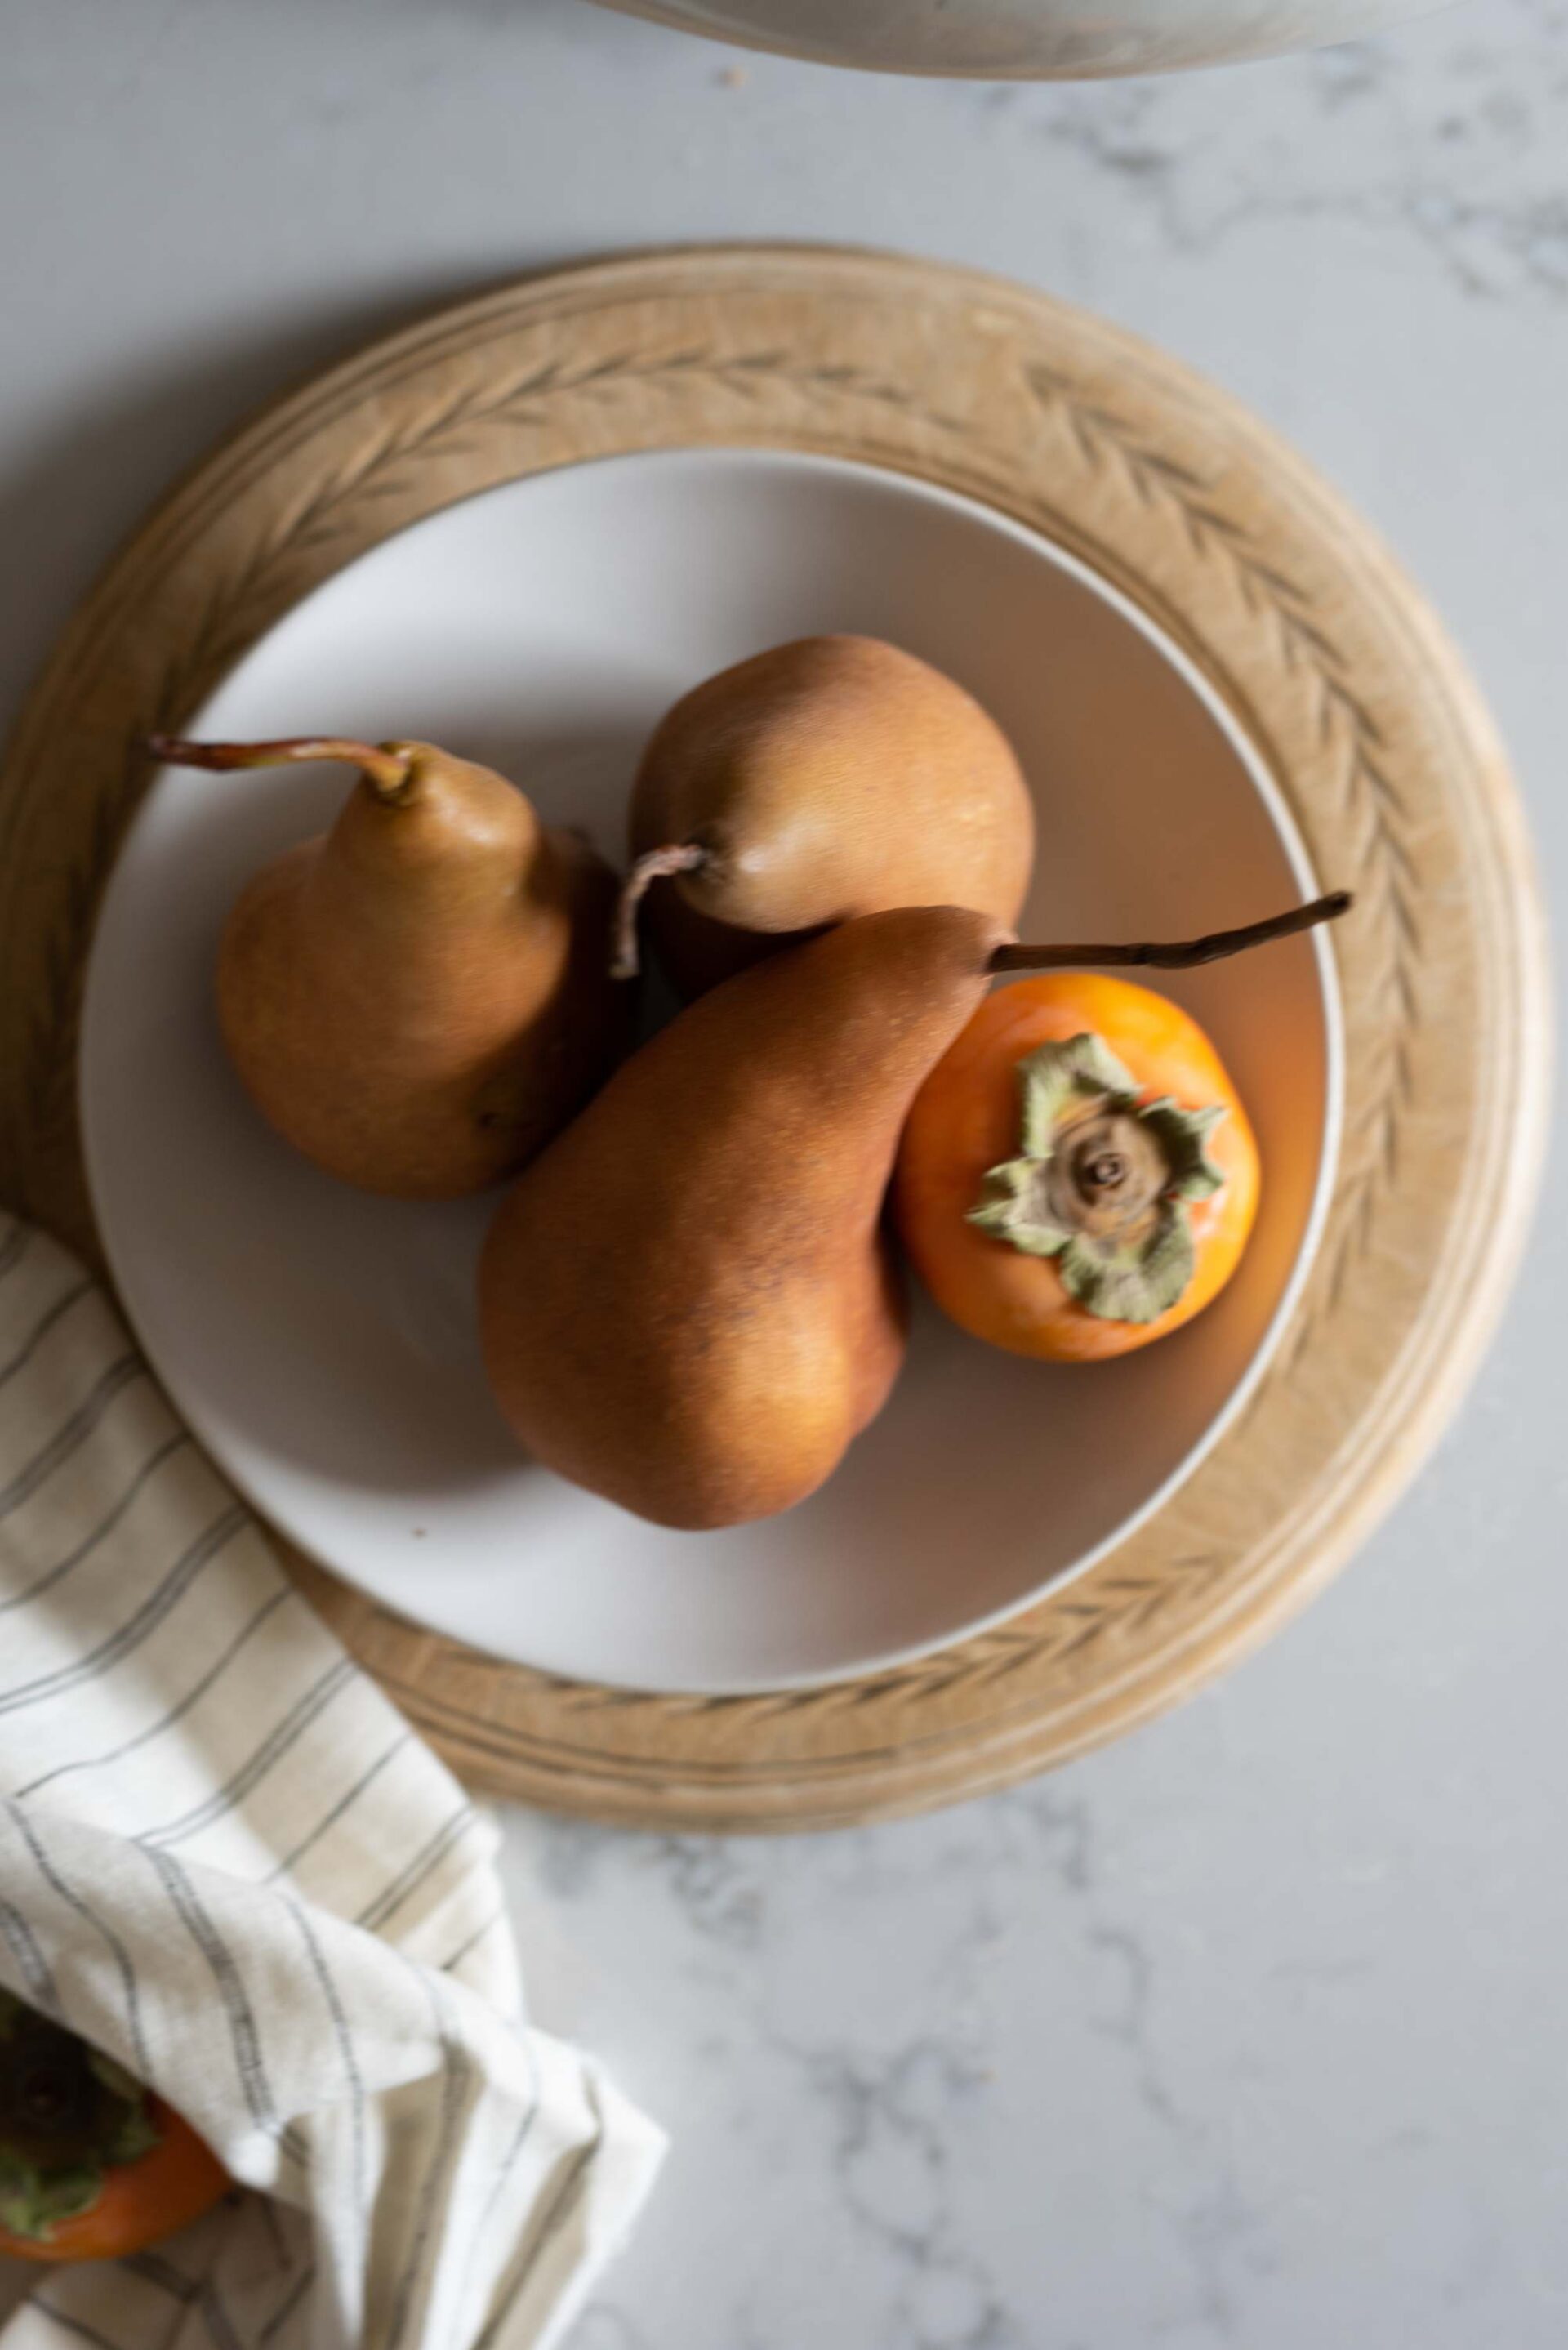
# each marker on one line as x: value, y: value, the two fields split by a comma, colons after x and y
x: 225, y: 1859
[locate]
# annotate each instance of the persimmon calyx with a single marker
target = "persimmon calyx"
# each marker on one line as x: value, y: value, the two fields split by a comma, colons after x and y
x: 1104, y: 1182
x: 67, y: 2114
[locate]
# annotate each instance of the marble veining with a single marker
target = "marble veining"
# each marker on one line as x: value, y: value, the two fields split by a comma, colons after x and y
x: 852, y: 2004
x: 1454, y: 147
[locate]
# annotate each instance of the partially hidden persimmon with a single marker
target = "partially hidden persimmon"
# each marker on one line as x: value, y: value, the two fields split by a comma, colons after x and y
x: 1077, y: 1176
x: 93, y: 2165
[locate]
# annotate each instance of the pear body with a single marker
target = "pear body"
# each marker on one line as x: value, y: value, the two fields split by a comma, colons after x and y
x: 829, y: 777
x: 419, y: 998
x: 688, y: 1302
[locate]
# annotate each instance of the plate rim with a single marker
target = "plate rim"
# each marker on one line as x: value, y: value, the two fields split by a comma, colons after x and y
x: 132, y: 1293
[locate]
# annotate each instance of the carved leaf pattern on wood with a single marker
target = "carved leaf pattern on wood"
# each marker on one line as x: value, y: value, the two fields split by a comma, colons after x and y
x: 1086, y: 1616
x: 1351, y: 741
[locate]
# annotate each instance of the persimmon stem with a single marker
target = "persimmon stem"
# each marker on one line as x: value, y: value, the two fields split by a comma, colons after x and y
x: 385, y: 768
x: 1182, y: 954
x: 680, y: 857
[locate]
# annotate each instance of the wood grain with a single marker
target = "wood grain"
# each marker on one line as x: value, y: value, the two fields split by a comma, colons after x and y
x: 1301, y: 622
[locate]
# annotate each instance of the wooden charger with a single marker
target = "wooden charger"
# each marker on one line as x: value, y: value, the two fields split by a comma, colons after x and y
x: 1295, y: 614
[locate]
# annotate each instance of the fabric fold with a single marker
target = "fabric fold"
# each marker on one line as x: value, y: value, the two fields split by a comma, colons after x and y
x: 227, y: 1860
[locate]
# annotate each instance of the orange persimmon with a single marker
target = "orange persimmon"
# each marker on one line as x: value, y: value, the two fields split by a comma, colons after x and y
x: 1077, y: 1176
x: 92, y: 2166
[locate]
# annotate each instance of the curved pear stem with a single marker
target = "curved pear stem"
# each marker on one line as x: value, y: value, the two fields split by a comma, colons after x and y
x: 680, y: 857
x: 1182, y: 954
x: 384, y: 768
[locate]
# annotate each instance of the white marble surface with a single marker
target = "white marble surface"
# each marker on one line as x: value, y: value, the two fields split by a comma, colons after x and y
x: 1250, y: 2030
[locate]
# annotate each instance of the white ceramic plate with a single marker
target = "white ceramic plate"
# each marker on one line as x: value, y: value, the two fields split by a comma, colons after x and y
x: 322, y: 1344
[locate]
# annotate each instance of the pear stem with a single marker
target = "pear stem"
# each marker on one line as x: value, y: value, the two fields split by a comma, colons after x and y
x: 1183, y: 955
x: 386, y: 770
x: 680, y: 857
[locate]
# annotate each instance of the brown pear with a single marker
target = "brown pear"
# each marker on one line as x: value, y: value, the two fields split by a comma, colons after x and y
x: 825, y: 778
x: 687, y: 1303
x: 419, y: 998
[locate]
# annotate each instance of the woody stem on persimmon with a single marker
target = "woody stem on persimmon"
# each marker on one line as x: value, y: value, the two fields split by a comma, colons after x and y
x: 1182, y: 954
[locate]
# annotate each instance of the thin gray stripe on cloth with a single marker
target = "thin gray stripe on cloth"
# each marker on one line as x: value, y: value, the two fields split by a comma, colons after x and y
x: 286, y: 2308
x: 269, y: 2220
x: 238, y: 2008
x: 271, y: 1752
x: 75, y: 1432
x: 464, y: 1950
x: 413, y: 1968
x: 339, y: 1808
x: 106, y: 1526
x: 550, y: 2228
x: 31, y: 1963
x: 216, y: 2319
x: 72, y: 2324
x: 457, y: 2071
x: 147, y: 1618
x: 166, y: 1722
x: 154, y: 2269
x: 519, y: 2140
x: 41, y: 1328
x: 13, y: 1248
x: 376, y: 1914
x: 345, y: 2039
x: 51, y: 1876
